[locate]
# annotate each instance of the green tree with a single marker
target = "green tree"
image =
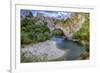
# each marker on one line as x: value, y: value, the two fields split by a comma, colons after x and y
x: 32, y: 32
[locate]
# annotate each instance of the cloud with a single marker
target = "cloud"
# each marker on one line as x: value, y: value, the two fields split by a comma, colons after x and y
x: 55, y: 14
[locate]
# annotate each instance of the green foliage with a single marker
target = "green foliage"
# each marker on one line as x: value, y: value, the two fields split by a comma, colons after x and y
x: 33, y: 33
x: 57, y: 32
x: 25, y: 39
x: 82, y: 35
x: 29, y: 57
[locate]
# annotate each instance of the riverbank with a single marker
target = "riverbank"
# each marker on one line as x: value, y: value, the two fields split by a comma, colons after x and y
x: 47, y: 48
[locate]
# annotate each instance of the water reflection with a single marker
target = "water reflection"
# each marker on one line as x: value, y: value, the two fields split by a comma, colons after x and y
x: 73, y: 50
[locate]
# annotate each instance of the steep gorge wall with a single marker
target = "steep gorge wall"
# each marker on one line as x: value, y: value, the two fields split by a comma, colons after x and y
x: 69, y: 26
x: 72, y: 27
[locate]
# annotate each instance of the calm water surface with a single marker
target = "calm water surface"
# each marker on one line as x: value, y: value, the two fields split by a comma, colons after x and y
x: 73, y: 49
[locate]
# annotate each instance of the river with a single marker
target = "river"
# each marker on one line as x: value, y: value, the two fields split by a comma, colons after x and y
x: 56, y: 49
x: 73, y: 49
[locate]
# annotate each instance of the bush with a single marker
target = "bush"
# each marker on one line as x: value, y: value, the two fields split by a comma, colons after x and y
x: 25, y: 39
x: 32, y: 32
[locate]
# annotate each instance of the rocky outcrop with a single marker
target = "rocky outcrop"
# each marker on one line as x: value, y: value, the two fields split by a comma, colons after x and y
x: 73, y: 27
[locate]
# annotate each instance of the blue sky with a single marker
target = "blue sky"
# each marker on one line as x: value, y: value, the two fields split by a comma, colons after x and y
x: 55, y: 14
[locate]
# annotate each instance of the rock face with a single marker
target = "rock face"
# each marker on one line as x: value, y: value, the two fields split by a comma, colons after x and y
x: 73, y: 27
x: 47, y: 48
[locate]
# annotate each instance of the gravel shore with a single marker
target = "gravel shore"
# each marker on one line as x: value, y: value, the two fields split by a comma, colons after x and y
x: 47, y: 48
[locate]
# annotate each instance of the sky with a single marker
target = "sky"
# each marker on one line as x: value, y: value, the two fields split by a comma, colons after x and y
x: 54, y: 14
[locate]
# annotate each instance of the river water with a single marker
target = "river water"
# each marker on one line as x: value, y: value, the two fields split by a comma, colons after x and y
x: 73, y: 49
